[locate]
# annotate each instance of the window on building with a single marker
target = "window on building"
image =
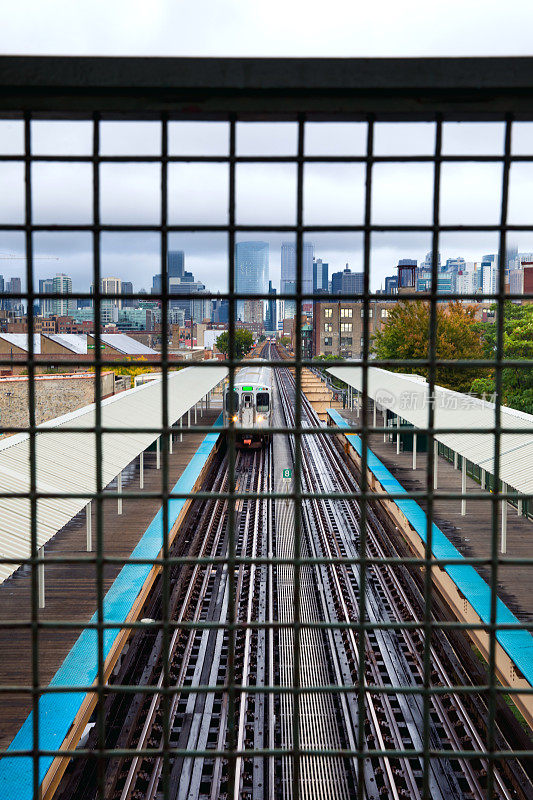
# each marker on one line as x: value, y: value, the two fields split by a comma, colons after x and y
x: 346, y: 312
x: 328, y: 341
x: 362, y: 343
x: 370, y: 313
x: 346, y: 341
x: 328, y: 327
x: 346, y: 327
x: 384, y: 313
x: 328, y: 313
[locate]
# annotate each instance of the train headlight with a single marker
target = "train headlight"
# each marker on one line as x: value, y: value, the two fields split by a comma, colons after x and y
x: 235, y: 418
x: 260, y: 418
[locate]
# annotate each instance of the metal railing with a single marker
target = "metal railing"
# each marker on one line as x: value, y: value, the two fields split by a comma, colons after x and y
x: 301, y: 91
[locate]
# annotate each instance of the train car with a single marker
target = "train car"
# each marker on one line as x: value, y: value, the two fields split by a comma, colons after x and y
x: 251, y: 406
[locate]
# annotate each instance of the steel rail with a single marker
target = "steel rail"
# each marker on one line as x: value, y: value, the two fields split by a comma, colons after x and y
x: 475, y: 738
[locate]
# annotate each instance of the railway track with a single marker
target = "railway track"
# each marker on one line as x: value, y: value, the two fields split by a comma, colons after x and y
x: 392, y: 657
x: 193, y: 655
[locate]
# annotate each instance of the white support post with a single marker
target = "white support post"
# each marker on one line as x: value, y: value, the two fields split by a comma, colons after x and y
x: 455, y: 460
x: 435, y: 464
x: 119, y: 492
x: 181, y: 429
x: 170, y: 438
x: 202, y: 407
x: 463, y: 487
x: 141, y: 471
x: 195, y: 413
x: 385, y: 434
x: 414, y: 450
x: 189, y: 418
x: 503, y: 542
x: 374, y: 414
x: 482, y: 479
x: 397, y: 435
x: 157, y: 453
x: 88, y: 516
x: 208, y: 400
x: 40, y: 579
x: 519, y: 507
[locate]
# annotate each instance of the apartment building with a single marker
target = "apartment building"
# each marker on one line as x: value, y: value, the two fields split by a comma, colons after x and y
x: 338, y: 326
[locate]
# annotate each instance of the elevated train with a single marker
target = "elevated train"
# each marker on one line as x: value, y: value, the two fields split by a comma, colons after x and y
x: 251, y: 405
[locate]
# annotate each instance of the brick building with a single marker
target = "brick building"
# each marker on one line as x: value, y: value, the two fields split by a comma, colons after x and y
x: 338, y: 326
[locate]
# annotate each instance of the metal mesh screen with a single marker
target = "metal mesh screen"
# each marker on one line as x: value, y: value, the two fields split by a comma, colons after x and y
x: 232, y: 102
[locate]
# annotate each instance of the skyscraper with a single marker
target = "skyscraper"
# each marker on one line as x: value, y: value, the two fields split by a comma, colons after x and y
x: 320, y: 275
x: 127, y: 288
x: 176, y: 263
x: 347, y: 282
x: 271, y: 316
x: 251, y: 271
x: 62, y: 284
x: 288, y: 274
x: 46, y: 307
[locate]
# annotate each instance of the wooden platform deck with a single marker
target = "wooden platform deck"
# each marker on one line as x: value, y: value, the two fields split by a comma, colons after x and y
x: 71, y: 589
x: 470, y: 534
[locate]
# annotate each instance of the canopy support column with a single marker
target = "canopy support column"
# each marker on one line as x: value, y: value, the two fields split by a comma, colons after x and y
x: 414, y: 450
x: 119, y: 492
x: 503, y: 541
x: 181, y: 429
x: 397, y: 435
x: 435, y: 464
x: 157, y: 453
x: 141, y: 471
x: 40, y: 578
x: 463, y: 487
x: 88, y: 516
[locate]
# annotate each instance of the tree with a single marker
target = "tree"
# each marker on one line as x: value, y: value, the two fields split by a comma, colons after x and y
x: 517, y: 382
x: 243, y: 340
x: 406, y: 336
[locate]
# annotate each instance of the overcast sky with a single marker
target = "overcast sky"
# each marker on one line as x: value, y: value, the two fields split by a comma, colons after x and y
x: 265, y: 193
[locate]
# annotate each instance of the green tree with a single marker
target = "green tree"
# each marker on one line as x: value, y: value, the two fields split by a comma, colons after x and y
x: 406, y: 336
x: 517, y: 382
x: 242, y: 342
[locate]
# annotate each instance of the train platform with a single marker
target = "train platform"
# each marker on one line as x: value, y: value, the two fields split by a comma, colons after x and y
x: 64, y: 656
x: 518, y: 644
x: 471, y: 533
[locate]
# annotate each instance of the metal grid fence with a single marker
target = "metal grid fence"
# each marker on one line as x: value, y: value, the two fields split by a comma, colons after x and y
x: 300, y: 91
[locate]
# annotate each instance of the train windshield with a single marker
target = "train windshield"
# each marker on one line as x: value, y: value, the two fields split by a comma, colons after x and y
x: 232, y: 406
x: 263, y: 401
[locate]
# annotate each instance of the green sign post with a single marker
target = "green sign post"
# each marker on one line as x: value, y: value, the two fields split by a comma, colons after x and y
x: 287, y: 474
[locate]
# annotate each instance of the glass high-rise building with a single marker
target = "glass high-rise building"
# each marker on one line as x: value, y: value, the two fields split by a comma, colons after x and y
x: 288, y: 274
x: 320, y: 275
x: 176, y: 263
x: 251, y: 271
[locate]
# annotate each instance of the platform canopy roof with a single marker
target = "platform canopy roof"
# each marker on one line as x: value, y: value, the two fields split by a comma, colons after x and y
x: 66, y: 461
x: 408, y: 397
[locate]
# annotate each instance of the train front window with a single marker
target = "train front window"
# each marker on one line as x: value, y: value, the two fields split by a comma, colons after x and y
x: 232, y: 406
x: 248, y: 400
x: 263, y: 402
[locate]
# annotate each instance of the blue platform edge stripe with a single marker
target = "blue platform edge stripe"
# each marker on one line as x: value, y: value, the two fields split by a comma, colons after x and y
x: 57, y: 711
x: 518, y: 644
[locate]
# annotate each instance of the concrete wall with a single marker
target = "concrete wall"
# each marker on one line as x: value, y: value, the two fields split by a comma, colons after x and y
x: 54, y: 395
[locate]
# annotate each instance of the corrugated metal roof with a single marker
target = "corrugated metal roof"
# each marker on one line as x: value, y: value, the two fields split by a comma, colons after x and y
x: 76, y: 342
x: 408, y: 396
x: 127, y: 344
x: 21, y: 340
x: 66, y: 462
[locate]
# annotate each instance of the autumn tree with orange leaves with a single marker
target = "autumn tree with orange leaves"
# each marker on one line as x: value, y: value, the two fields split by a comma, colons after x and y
x: 406, y: 336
